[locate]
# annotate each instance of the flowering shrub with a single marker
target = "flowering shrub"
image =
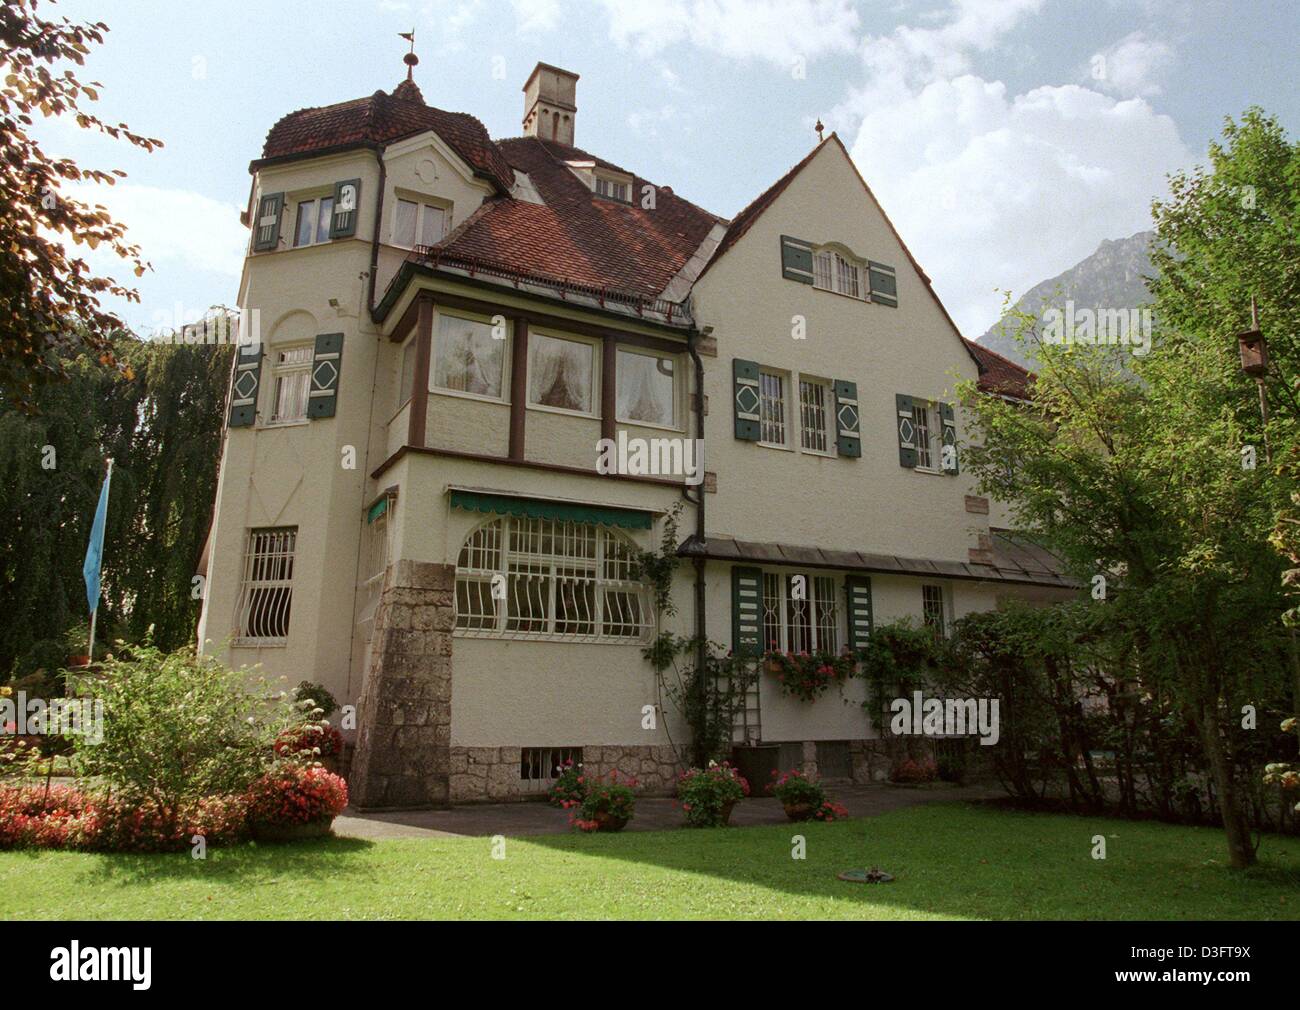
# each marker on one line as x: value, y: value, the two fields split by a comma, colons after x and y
x: 707, y: 794
x: 806, y: 676
x: 608, y: 804
x: 311, y: 740
x: 570, y: 786
x: 296, y: 794
x: 910, y: 770
x: 805, y: 798
x: 1286, y: 776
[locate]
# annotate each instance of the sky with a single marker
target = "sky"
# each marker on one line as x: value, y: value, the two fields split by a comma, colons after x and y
x: 1005, y: 138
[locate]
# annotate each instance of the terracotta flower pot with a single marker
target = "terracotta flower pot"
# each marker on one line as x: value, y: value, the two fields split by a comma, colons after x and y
x: 799, y: 811
x: 608, y: 821
x: 267, y: 832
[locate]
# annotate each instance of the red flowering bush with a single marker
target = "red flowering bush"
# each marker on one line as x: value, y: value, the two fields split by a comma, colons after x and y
x: 912, y: 771
x: 310, y: 741
x: 34, y: 817
x: 708, y: 794
x: 570, y: 786
x: 806, y: 676
x: 296, y: 794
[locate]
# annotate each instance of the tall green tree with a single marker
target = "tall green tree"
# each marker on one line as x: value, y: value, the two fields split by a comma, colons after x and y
x: 1136, y: 476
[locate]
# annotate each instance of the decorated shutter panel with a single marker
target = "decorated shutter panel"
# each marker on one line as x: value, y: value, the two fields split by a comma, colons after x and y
x: 325, y: 366
x: 347, y: 201
x: 906, y: 425
x: 266, y: 234
x: 948, y: 456
x: 848, y: 438
x: 243, y: 391
x: 857, y: 590
x: 745, y: 376
x: 796, y: 260
x: 746, y: 611
x: 884, y: 284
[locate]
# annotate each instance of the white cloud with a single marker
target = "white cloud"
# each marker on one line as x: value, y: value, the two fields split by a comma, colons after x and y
x: 991, y: 189
x: 536, y: 15
x: 1132, y: 66
x: 738, y: 29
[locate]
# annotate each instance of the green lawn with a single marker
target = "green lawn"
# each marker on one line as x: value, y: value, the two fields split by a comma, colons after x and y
x: 951, y: 861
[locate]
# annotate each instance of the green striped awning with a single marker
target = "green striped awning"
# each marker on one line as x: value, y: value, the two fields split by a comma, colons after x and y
x: 541, y: 508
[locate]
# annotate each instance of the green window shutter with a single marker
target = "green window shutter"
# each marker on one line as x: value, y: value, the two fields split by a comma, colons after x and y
x: 848, y: 437
x: 746, y: 611
x: 243, y: 391
x: 745, y: 377
x: 884, y: 284
x: 949, y: 438
x: 325, y: 366
x: 857, y: 590
x: 796, y: 260
x: 347, y: 204
x: 266, y: 227
x: 906, y: 425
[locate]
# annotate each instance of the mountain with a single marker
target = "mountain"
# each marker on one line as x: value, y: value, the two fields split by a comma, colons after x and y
x: 1111, y: 278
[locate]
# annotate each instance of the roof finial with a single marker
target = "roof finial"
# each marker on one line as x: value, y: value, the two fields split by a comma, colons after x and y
x: 819, y: 129
x: 410, y: 59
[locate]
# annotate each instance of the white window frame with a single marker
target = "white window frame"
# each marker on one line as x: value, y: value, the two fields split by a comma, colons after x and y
x: 767, y: 420
x: 840, y: 272
x: 936, y: 597
x: 593, y: 394
x: 423, y: 204
x: 315, y: 202
x: 678, y: 371
x: 298, y: 371
x: 928, y: 423
x: 827, y: 431
x: 506, y: 357
x: 614, y: 185
x: 269, y: 555
x: 824, y: 592
x: 534, y: 580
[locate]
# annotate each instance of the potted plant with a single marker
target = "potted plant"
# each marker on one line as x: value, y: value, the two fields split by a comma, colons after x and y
x: 295, y: 801
x: 804, y: 798
x: 708, y: 795
x: 807, y: 676
x: 570, y: 786
x: 607, y: 804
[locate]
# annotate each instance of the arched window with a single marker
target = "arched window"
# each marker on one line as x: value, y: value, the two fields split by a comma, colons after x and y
x: 520, y: 577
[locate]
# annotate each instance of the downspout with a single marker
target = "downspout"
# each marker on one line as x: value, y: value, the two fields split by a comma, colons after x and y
x: 374, y: 242
x: 701, y: 628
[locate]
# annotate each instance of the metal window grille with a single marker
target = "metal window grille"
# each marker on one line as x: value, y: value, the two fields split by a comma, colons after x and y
x: 934, y: 610
x: 822, y: 277
x: 266, y: 594
x: 798, y: 618
x: 539, y: 767
x: 826, y: 612
x: 921, y: 418
x: 773, y: 640
x: 808, y: 625
x: 377, y: 565
x: 549, y: 579
x: 812, y: 416
x: 847, y: 275
x: 771, y: 408
x: 292, y: 383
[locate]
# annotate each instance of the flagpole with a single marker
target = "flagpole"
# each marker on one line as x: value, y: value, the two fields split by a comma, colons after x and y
x: 94, y: 613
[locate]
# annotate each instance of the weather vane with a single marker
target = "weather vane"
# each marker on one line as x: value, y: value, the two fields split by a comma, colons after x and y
x: 410, y: 59
x: 819, y: 128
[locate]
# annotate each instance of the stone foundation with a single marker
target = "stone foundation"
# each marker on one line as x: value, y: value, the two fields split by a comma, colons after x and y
x: 491, y: 774
x: 402, y: 758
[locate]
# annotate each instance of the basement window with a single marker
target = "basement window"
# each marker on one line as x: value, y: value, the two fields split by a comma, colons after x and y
x: 539, y: 767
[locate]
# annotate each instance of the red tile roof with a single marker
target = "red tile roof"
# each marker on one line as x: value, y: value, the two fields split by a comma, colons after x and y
x: 381, y: 119
x: 578, y: 236
x: 1001, y: 375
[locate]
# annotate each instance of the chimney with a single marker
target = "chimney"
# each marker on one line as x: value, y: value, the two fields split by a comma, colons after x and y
x: 550, y: 104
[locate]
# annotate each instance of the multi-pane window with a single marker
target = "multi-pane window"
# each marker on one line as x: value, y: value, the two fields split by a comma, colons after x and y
x: 470, y: 357
x: 647, y: 388
x: 612, y: 188
x: 266, y: 592
x: 313, y: 224
x: 934, y: 610
x: 292, y: 384
x: 562, y: 373
x: 921, y: 415
x: 800, y: 613
x: 833, y: 272
x: 414, y: 220
x: 771, y: 408
x: 523, y: 577
x: 814, y: 415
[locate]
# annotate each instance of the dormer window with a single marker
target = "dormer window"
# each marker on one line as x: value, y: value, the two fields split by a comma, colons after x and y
x: 833, y: 271
x: 414, y: 219
x: 613, y: 189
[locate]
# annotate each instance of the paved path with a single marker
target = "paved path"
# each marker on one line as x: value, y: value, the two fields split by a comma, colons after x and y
x: 652, y: 813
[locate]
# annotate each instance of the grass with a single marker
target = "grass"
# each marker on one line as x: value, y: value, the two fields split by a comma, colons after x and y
x: 951, y: 861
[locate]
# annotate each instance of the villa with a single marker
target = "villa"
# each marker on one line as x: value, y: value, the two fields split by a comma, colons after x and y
x: 414, y: 509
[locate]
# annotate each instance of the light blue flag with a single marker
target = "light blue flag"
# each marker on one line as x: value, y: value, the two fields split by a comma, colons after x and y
x: 95, y: 549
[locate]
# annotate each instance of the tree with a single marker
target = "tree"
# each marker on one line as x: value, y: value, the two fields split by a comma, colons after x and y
x: 49, y: 300
x: 1138, y: 480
